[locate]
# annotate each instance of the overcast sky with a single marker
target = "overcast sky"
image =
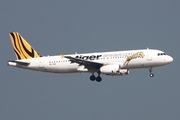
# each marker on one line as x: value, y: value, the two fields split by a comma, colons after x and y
x: 64, y: 27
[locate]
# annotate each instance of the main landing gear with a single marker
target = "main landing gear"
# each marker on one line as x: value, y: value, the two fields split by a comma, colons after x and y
x: 151, y: 74
x: 98, y: 78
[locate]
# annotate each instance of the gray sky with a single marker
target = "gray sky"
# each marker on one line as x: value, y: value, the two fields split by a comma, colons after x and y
x: 63, y: 27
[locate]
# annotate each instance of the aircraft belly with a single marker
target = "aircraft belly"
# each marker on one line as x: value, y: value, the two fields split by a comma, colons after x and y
x: 72, y: 67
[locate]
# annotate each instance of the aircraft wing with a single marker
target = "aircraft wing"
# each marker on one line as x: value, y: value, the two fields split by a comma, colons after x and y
x: 86, y: 63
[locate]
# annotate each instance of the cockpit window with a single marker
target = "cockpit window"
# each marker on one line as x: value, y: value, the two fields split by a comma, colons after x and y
x: 160, y: 54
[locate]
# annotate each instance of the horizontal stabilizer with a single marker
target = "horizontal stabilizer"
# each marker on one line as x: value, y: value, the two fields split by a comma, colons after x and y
x: 15, y: 62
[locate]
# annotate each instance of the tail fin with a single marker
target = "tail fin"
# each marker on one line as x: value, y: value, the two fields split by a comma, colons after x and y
x: 22, y: 48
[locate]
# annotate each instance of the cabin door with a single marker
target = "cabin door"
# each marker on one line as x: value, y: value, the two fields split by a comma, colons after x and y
x: 149, y: 55
x: 41, y: 63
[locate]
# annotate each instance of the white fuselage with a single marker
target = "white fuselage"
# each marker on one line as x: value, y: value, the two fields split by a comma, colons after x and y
x: 59, y: 64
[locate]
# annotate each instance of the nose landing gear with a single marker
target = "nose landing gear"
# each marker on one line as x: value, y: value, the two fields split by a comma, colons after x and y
x: 151, y: 74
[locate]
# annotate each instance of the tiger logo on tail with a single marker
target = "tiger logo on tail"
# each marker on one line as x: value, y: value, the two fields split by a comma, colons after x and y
x: 22, y: 48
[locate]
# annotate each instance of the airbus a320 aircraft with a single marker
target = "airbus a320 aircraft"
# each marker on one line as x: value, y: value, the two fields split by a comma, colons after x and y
x: 116, y: 63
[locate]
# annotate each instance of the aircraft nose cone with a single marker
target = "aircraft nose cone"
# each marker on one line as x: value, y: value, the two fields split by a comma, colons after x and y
x: 170, y: 59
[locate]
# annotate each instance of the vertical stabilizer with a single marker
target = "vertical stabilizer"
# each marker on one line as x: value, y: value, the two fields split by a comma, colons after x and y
x: 22, y: 48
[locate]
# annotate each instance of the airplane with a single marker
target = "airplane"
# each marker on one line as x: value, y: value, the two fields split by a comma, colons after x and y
x: 114, y: 63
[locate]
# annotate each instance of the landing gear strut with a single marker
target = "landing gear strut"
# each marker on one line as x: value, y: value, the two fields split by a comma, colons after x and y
x: 98, y: 78
x: 151, y: 74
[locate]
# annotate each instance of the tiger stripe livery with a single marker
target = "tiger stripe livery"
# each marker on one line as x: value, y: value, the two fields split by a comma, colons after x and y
x: 114, y: 63
x: 22, y: 49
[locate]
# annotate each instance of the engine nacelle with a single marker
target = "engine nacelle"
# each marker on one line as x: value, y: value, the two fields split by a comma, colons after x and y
x: 113, y: 70
x: 108, y: 69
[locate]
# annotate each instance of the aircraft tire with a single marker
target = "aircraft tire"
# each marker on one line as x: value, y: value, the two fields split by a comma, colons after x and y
x: 98, y: 79
x: 92, y: 78
x: 151, y: 75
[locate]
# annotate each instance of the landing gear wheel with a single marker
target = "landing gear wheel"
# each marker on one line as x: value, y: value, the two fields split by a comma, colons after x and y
x: 98, y: 79
x: 92, y: 78
x: 151, y: 75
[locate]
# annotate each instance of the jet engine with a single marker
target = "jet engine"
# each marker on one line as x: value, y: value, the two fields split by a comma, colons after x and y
x: 113, y: 69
